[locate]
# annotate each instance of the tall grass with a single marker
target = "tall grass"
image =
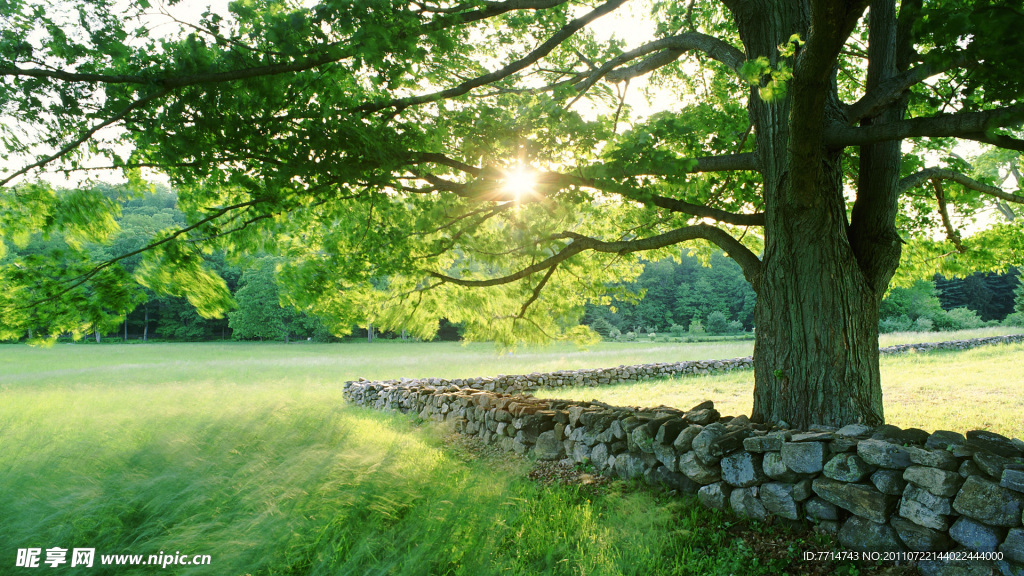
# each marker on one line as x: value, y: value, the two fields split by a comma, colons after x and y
x: 286, y: 479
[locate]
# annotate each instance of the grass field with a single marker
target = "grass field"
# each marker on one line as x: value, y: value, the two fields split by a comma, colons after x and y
x: 248, y: 454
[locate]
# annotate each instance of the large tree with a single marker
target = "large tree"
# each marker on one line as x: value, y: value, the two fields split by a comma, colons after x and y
x: 404, y: 155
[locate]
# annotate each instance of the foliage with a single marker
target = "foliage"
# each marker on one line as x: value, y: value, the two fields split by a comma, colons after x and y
x: 398, y: 157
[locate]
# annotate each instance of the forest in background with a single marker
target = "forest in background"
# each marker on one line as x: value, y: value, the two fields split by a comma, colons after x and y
x: 691, y: 296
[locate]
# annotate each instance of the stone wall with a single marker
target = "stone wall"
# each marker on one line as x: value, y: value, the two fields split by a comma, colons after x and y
x: 880, y: 489
x: 519, y: 383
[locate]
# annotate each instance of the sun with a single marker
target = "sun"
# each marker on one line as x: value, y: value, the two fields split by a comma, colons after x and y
x: 520, y: 183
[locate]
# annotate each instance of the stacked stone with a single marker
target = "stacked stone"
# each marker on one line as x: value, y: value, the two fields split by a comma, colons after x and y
x: 523, y: 383
x: 879, y: 489
x: 952, y: 344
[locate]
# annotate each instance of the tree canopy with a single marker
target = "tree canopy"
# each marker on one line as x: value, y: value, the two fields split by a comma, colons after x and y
x: 403, y: 154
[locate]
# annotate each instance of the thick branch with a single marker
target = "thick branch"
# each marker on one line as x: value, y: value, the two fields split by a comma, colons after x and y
x: 970, y: 125
x: 951, y: 233
x: 668, y: 50
x: 749, y: 262
x: 541, y: 51
x: 892, y: 88
x: 946, y: 174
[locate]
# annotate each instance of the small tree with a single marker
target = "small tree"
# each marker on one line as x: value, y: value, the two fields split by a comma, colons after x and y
x: 259, y: 315
x: 717, y: 323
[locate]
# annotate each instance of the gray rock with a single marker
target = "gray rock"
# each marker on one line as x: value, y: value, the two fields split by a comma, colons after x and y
x: 987, y: 502
x: 1013, y: 546
x: 642, y: 439
x: 954, y: 568
x: 939, y: 504
x: 703, y: 417
x: 993, y: 464
x: 804, y: 457
x: 847, y: 468
x: 669, y: 431
x: 767, y: 443
x: 864, y: 535
x: 775, y: 468
x: 684, y: 442
x: 745, y: 503
x: 851, y: 430
x: 599, y: 456
x: 943, y: 439
x: 778, y: 499
x: 899, y: 435
x: 580, y: 451
x: 674, y: 480
x: 1013, y: 480
x: 976, y: 536
x: 714, y: 495
x: 843, y: 444
x: 884, y: 454
x: 825, y: 437
x: 922, y: 515
x: 889, y: 482
x: 629, y: 466
x: 934, y: 458
x: 938, y: 482
x: 861, y: 499
x: 918, y: 538
x: 992, y: 442
x: 742, y: 469
x: 704, y: 441
x: 968, y: 469
x: 1010, y: 568
x: 818, y: 510
x: 699, y: 473
x: 667, y: 456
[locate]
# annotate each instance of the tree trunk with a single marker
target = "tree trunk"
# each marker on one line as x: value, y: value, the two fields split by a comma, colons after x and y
x: 97, y: 332
x: 145, y: 326
x: 126, y: 326
x: 816, y: 343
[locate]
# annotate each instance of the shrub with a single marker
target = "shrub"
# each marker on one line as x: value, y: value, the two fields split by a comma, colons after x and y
x: 1015, y: 319
x: 630, y: 336
x: 965, y: 319
x: 923, y: 325
x: 602, y: 327
x: 696, y: 327
x: 677, y: 330
x: 894, y: 324
x: 652, y: 335
x: 614, y: 333
x: 735, y: 326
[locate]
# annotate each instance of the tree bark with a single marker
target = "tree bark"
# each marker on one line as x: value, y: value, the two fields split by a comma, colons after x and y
x: 816, y: 342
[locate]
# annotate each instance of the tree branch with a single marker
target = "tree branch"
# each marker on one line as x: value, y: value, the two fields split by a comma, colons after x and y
x: 668, y: 50
x: 951, y: 232
x: 969, y: 125
x: 889, y: 90
x: 747, y: 260
x: 927, y: 174
x: 541, y: 51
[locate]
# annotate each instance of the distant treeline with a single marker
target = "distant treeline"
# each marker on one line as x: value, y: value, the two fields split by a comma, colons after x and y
x: 684, y: 296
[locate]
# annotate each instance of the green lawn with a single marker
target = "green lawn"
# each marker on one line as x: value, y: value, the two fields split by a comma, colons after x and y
x: 248, y: 453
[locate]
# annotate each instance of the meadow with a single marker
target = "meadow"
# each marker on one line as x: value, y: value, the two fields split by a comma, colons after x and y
x: 247, y: 453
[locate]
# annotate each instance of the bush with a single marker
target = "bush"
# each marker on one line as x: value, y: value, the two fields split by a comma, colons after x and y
x: 614, y: 333
x: 965, y: 319
x: 1015, y: 319
x: 717, y: 323
x: 923, y: 325
x: 894, y: 324
x: 602, y: 327
x: 630, y: 336
x: 696, y: 327
x: 652, y: 335
x: 735, y: 326
x: 677, y: 330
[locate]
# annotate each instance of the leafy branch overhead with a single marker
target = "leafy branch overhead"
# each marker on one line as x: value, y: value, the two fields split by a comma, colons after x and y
x: 376, y: 146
